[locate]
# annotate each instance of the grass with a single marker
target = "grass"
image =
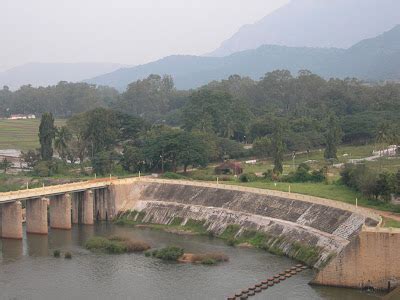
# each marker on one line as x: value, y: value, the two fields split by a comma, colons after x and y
x: 115, y: 245
x: 170, y: 253
x: 391, y: 223
x: 21, y: 134
x: 134, y: 218
x: 304, y: 253
x: 209, y: 258
x: 334, y: 191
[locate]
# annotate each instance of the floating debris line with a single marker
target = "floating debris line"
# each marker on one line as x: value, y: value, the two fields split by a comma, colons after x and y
x: 268, y: 283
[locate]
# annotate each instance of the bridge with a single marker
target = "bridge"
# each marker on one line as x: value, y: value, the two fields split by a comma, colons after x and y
x: 72, y: 203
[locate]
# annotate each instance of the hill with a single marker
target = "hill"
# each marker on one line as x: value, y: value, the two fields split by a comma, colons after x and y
x: 44, y: 74
x: 316, y: 23
x: 372, y: 59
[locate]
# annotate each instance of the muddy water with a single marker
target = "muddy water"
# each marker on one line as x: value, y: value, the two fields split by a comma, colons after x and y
x: 28, y: 270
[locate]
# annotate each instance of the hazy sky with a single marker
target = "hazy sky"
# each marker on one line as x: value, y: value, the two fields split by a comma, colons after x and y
x: 123, y: 31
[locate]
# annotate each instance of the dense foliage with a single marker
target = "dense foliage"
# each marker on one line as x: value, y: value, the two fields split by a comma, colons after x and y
x: 236, y: 108
x: 46, y: 136
x: 380, y: 185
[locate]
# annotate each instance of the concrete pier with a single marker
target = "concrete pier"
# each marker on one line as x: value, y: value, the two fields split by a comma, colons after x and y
x: 36, y: 216
x: 11, y: 220
x: 75, y: 202
x: 60, y: 211
x: 87, y: 207
x: 101, y: 204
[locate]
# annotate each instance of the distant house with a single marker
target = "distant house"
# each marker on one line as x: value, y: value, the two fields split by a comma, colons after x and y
x: 22, y: 117
x: 229, y: 167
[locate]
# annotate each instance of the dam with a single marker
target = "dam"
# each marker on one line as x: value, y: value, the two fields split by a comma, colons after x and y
x: 351, y: 250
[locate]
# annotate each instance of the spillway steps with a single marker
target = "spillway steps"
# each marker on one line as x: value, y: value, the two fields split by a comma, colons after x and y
x: 268, y: 283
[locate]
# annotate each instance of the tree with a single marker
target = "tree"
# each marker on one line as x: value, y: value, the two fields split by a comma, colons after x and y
x: 148, y: 98
x: 191, y: 150
x: 78, y: 144
x: 332, y: 138
x: 46, y: 136
x: 5, y: 164
x: 62, y: 138
x: 103, y: 162
x: 262, y: 147
x: 215, y: 111
x: 278, y: 148
x: 397, y: 183
x: 101, y: 130
x: 31, y: 158
x: 132, y: 159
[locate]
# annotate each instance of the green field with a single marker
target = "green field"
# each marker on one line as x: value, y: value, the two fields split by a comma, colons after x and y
x: 21, y: 134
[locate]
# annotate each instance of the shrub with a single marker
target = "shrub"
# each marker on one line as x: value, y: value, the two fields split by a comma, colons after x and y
x: 56, y: 253
x: 270, y: 175
x: 136, y: 246
x: 96, y: 243
x: 208, y: 261
x: 170, y: 253
x: 210, y: 258
x: 231, y: 242
x: 118, y: 238
x: 68, y: 255
x: 115, y: 245
x: 171, y: 175
x: 247, y: 177
x: 42, y: 169
x: 303, y: 174
x: 204, y: 177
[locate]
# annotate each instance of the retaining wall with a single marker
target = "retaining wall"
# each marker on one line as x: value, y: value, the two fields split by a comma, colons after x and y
x: 318, y: 226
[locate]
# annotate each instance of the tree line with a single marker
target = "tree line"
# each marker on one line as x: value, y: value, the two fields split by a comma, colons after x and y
x: 237, y: 108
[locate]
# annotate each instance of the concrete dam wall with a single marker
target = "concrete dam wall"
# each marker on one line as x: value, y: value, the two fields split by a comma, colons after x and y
x: 288, y: 222
x: 370, y: 260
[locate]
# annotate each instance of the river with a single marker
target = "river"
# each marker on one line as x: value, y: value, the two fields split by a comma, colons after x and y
x: 29, y: 271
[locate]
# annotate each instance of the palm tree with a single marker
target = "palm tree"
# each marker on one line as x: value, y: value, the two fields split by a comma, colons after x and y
x: 63, y: 136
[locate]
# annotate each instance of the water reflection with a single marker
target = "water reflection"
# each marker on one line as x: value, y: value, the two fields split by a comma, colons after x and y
x: 37, y: 244
x: 11, y: 249
x: 133, y: 276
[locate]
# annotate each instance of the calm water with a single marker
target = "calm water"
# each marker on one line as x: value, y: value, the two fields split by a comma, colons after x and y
x: 28, y: 270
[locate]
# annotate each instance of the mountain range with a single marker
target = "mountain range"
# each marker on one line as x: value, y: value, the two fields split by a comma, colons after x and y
x: 371, y: 59
x: 332, y: 38
x: 316, y: 23
x: 44, y: 74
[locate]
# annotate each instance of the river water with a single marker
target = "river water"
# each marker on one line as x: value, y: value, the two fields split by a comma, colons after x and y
x: 29, y: 271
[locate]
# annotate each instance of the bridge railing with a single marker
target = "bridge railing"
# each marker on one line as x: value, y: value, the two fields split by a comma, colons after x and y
x: 54, y: 189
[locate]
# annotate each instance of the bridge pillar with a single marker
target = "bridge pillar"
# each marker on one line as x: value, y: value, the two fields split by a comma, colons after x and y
x: 87, y: 207
x: 11, y: 220
x: 36, y: 216
x: 75, y: 199
x: 60, y: 212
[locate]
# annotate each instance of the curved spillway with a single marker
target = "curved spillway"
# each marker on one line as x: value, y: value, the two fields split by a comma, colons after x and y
x: 287, y: 222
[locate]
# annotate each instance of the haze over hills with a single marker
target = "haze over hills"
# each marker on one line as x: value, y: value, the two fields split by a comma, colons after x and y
x: 44, y: 74
x: 316, y: 23
x: 372, y: 59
